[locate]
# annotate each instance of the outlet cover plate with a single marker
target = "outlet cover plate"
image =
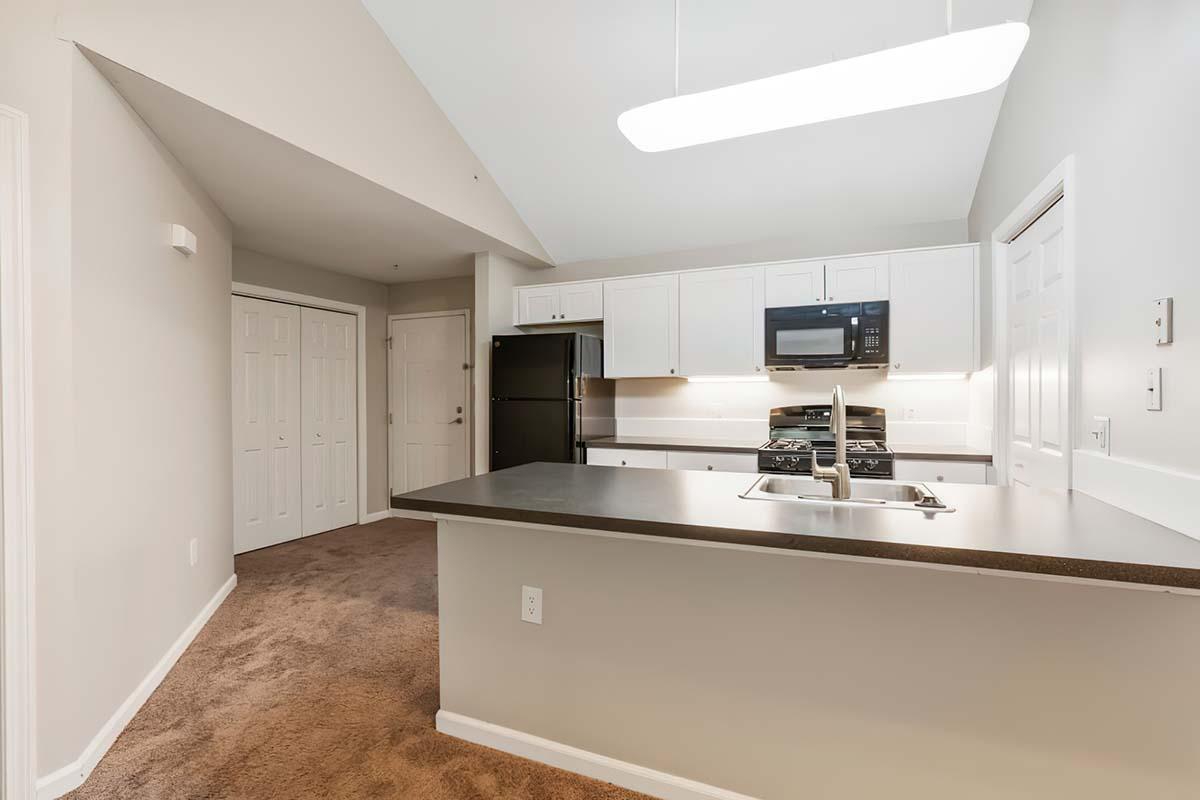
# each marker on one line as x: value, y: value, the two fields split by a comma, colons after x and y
x: 531, y: 604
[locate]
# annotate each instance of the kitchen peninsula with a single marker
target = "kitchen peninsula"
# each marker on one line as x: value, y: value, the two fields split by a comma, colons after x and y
x: 714, y: 646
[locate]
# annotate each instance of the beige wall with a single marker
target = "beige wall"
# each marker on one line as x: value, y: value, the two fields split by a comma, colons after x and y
x: 784, y: 676
x: 333, y: 85
x: 131, y: 388
x: 263, y: 270
x: 850, y: 238
x: 447, y: 294
x: 1115, y: 84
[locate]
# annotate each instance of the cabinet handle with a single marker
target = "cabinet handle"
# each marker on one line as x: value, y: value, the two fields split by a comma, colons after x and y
x: 710, y: 468
x: 672, y: 372
x: 758, y: 369
x: 623, y: 463
x: 896, y: 365
x: 941, y: 477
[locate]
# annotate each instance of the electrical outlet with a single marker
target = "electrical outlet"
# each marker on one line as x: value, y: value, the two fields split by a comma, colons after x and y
x: 910, y: 413
x: 193, y: 551
x: 531, y: 604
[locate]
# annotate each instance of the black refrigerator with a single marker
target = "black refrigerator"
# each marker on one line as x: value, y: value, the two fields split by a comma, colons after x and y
x: 549, y: 397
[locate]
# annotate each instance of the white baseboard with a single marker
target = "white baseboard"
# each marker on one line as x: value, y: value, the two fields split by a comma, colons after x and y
x: 404, y: 513
x: 72, y: 776
x: 1160, y: 495
x: 375, y: 516
x: 582, y: 762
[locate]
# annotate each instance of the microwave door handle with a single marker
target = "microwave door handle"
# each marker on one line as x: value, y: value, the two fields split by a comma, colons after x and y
x: 854, y: 337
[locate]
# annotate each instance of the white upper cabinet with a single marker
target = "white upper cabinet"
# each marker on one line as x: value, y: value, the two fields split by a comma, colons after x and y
x: 721, y: 321
x: 797, y: 283
x: 857, y: 279
x: 934, y: 311
x: 565, y: 302
x: 537, y: 304
x: 641, y: 327
x: 582, y: 302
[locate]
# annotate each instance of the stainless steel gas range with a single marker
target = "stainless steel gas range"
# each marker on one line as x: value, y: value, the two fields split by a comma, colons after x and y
x: 797, y: 432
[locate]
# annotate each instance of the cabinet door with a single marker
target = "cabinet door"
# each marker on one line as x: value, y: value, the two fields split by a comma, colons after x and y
x: 721, y: 322
x: 857, y: 279
x: 798, y: 283
x: 612, y: 457
x: 641, y: 327
x: 537, y: 304
x: 941, y: 471
x: 712, y: 462
x: 582, y: 302
x: 934, y: 324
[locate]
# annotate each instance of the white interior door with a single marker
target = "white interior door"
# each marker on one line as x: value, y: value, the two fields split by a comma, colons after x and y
x: 266, y: 423
x: 428, y: 402
x: 328, y: 378
x: 1038, y: 336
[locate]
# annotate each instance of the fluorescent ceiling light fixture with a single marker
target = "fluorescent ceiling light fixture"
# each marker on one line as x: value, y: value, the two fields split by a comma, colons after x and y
x: 929, y: 376
x: 728, y: 378
x: 954, y: 65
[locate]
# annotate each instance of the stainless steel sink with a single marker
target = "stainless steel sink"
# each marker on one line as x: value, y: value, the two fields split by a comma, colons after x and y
x: 869, y: 493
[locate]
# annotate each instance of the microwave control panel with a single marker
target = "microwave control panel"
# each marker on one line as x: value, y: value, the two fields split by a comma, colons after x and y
x: 872, y: 340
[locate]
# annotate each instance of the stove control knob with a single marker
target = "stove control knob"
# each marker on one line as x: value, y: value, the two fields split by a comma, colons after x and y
x: 855, y: 463
x: 872, y: 463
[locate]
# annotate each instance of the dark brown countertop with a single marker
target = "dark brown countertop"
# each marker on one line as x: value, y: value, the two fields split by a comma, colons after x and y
x: 678, y: 443
x: 998, y: 528
x: 940, y: 452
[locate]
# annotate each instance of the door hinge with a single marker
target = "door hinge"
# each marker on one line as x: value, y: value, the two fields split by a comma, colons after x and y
x: 389, y: 342
x: 389, y: 418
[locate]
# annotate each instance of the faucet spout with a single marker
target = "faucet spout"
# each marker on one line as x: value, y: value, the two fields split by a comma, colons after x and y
x: 837, y: 475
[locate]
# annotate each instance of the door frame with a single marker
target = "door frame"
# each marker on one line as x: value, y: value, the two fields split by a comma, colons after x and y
x: 469, y: 415
x: 1060, y: 183
x: 18, y: 773
x: 293, y: 298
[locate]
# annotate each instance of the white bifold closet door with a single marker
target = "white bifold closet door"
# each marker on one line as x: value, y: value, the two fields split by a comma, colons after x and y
x: 266, y: 423
x: 295, y: 462
x: 328, y: 378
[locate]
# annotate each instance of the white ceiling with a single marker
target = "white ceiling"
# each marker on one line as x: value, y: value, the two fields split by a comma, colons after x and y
x: 289, y: 203
x: 535, y: 88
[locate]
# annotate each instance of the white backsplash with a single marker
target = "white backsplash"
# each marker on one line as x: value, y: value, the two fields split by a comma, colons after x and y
x: 918, y: 412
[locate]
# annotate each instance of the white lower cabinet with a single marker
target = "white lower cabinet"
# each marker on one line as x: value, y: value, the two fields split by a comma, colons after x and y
x: 613, y: 457
x: 713, y: 462
x: 941, y: 471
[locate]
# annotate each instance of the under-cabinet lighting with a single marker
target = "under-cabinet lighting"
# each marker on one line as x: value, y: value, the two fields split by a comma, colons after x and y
x: 954, y: 65
x: 728, y: 378
x: 928, y: 376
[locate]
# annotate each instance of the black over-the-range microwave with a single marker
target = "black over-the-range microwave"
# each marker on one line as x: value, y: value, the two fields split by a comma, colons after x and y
x: 827, y: 336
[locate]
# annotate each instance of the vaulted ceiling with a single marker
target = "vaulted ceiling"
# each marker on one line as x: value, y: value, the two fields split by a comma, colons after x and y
x: 535, y: 88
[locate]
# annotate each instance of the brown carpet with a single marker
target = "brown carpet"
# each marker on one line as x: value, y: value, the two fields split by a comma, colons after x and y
x: 318, y: 678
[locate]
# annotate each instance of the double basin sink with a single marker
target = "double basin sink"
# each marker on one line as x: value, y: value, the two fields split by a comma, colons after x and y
x: 863, y: 493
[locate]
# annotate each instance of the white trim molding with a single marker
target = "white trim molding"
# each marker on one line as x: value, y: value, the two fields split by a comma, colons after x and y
x: 376, y: 516
x: 1159, y: 494
x: 16, y: 460
x: 405, y: 513
x: 281, y: 296
x: 582, y: 762
x: 72, y: 776
x: 1060, y: 183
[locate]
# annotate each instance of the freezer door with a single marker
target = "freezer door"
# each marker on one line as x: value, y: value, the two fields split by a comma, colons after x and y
x: 524, y: 431
x: 534, y: 367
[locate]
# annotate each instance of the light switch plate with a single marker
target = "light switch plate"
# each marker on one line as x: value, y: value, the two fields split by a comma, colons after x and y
x: 1164, y: 311
x: 1101, y: 432
x: 1154, y: 389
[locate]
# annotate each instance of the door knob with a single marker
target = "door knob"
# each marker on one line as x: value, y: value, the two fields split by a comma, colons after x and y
x: 455, y: 421
x: 318, y: 435
x: 282, y: 437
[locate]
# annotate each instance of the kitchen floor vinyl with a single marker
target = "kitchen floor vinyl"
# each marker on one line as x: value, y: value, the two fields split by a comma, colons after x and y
x: 318, y: 678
